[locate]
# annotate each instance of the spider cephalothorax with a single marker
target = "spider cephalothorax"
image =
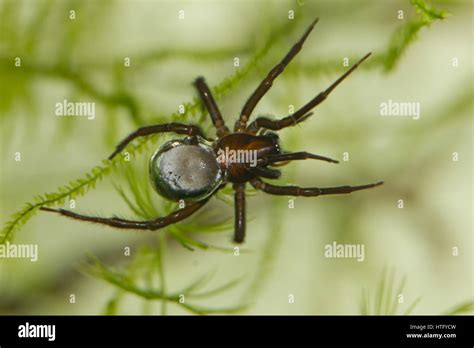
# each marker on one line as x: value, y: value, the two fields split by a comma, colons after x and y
x: 194, y: 168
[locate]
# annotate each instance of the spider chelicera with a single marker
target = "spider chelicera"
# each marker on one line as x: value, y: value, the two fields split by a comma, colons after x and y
x: 195, y: 168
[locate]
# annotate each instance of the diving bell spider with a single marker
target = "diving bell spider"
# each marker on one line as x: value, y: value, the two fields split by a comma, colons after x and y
x: 195, y: 168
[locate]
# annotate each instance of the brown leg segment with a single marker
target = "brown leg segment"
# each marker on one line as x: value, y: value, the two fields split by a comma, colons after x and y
x: 177, y: 128
x: 151, y: 225
x: 265, y: 172
x: 308, y: 191
x: 291, y: 157
x: 267, y: 82
x: 211, y: 106
x: 239, y: 207
x: 301, y: 114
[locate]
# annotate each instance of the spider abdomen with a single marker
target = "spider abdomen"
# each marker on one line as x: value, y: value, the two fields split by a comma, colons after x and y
x: 185, y: 169
x: 238, y: 153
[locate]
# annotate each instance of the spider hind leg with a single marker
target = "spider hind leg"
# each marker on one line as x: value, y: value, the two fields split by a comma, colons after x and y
x: 150, y: 225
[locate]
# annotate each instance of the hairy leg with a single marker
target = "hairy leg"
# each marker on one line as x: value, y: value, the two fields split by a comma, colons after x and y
x: 177, y: 128
x: 307, y: 191
x: 267, y: 82
x: 302, y: 114
x: 211, y: 106
x: 151, y: 225
x: 239, y: 207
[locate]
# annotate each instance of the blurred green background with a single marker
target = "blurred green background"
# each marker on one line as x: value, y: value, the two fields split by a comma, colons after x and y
x: 281, y: 269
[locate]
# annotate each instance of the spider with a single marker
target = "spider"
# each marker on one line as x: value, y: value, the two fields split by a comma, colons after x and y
x: 193, y: 169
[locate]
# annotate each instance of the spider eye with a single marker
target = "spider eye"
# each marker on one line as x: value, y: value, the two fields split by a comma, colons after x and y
x: 184, y: 169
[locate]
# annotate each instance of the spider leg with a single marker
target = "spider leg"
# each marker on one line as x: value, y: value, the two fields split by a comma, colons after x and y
x: 302, y: 113
x: 264, y: 172
x: 239, y: 208
x: 263, y: 130
x: 151, y: 225
x: 177, y: 128
x: 309, y: 191
x: 267, y: 82
x: 211, y: 106
x: 284, y: 157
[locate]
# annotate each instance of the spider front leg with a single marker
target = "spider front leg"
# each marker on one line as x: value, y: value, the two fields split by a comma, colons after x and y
x: 177, y: 128
x: 239, y: 207
x: 211, y: 106
x: 151, y: 225
x: 267, y: 82
x: 308, y: 191
x: 302, y: 114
